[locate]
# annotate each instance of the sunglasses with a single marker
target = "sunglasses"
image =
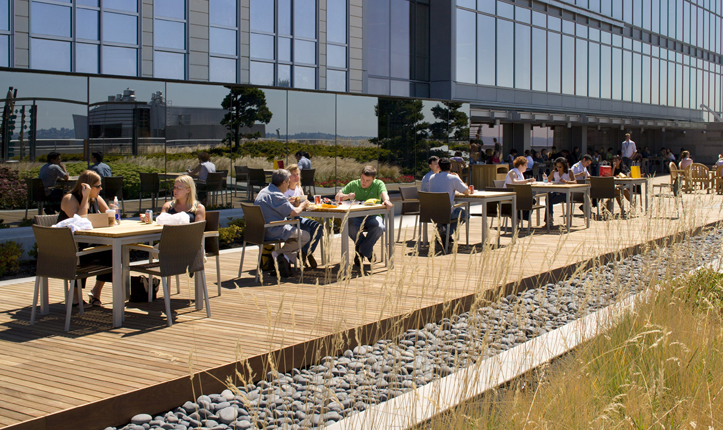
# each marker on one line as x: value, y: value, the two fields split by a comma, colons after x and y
x: 179, y: 188
x: 96, y: 186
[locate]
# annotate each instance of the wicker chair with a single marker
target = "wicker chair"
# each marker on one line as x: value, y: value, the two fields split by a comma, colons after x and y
x: 436, y: 208
x: 256, y: 232
x: 410, y: 206
x: 58, y: 258
x: 699, y: 175
x: 45, y: 220
x: 177, y: 255
x: 212, y: 243
x: 460, y: 169
x: 718, y: 179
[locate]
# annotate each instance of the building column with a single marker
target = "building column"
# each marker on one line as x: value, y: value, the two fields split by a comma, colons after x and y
x: 583, y: 140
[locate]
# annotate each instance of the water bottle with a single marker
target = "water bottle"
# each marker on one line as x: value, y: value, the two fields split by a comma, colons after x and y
x: 117, y: 210
x: 544, y: 177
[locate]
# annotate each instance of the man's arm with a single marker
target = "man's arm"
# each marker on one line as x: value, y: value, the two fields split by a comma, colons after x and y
x: 385, y: 199
x: 64, y: 173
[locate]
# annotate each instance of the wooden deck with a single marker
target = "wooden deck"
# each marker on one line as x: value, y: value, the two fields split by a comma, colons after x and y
x: 96, y: 376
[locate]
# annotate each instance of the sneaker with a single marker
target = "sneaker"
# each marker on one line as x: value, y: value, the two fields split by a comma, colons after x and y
x: 284, y: 269
x: 310, y: 261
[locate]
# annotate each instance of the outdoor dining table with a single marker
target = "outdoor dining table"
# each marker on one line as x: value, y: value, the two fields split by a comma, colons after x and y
x: 66, y: 184
x: 568, y: 190
x: 348, y: 210
x: 129, y: 232
x: 484, y: 197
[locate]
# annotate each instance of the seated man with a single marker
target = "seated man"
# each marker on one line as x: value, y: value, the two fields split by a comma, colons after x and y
x: 49, y: 173
x: 363, y: 189
x: 581, y: 173
x: 433, y: 169
x: 445, y: 182
x: 276, y: 207
x: 99, y: 166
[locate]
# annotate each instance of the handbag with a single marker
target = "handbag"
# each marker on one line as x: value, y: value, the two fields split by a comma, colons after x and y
x: 139, y: 289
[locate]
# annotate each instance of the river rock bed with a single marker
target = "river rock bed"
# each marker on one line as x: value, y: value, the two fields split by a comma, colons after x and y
x: 340, y: 386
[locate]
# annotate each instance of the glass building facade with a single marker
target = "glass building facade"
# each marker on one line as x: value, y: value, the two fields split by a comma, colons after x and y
x: 363, y: 81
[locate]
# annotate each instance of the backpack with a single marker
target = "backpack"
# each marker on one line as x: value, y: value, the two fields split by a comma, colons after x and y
x: 267, y: 261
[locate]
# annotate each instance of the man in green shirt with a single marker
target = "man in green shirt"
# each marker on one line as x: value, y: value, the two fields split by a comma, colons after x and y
x: 363, y: 189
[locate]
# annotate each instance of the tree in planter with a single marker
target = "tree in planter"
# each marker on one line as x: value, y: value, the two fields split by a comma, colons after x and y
x: 245, y: 106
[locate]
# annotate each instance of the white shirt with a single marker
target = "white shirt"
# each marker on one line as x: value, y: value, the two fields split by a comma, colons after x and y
x: 296, y: 192
x: 685, y: 163
x: 443, y: 182
x: 629, y: 148
x: 304, y: 163
x: 557, y: 178
x: 206, y: 168
x: 508, y: 178
x: 579, y: 170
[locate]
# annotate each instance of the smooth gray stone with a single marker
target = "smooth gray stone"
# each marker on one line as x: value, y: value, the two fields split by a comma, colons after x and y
x: 227, y: 415
x: 141, y: 419
x: 168, y: 426
x: 243, y: 424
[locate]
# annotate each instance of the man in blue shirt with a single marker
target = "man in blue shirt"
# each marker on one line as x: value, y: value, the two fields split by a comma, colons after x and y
x: 99, y: 166
x: 49, y: 173
x: 276, y: 207
x: 433, y: 169
x: 302, y: 160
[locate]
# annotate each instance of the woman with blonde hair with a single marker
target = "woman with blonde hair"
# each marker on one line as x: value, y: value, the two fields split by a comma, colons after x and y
x: 184, y: 200
x: 294, y: 193
x: 84, y: 199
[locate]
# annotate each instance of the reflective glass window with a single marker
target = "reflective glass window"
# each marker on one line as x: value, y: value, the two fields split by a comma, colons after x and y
x: 169, y: 9
x: 222, y: 12
x: 627, y: 43
x: 655, y: 14
x: 400, y: 45
x: 119, y: 61
x: 50, y: 55
x: 647, y: 9
x: 628, y: 72
x: 304, y: 51
x: 645, y: 82
x: 304, y: 77
x: 582, y: 3
x: 261, y: 73
x: 685, y: 83
x: 594, y: 69
x: 554, y: 61
x: 523, y: 15
x: 86, y: 58
x: 505, y: 10
x: 581, y: 30
x: 120, y: 28
x: 485, y: 50
x: 617, y: 71
x: 168, y: 65
x: 336, y: 56
x: 606, y: 37
x: 673, y: 85
x: 467, y: 3
x: 617, y: 40
x: 262, y: 46
x: 628, y: 11
x: 505, y: 50
x: 378, y: 37
x: 222, y: 41
x: 466, y: 56
x: 663, y: 83
x: 595, y: 5
x: 169, y: 34
x: 554, y: 23
x: 487, y: 6
x: 4, y: 15
x: 284, y: 48
x: 594, y: 34
x: 82, y: 2
x: 126, y: 5
x: 646, y: 49
x: 605, y: 72
x: 222, y: 69
x: 539, y: 19
x: 606, y: 7
x: 568, y: 27
x: 262, y: 15
x: 86, y: 25
x: 699, y: 27
x: 284, y: 17
x: 617, y: 6
x: 522, y: 56
x: 305, y: 18
x: 637, y: 13
x: 284, y: 78
x: 336, y: 21
x: 663, y: 17
x: 336, y: 80
x: 654, y: 81
x: 568, y: 65
x: 581, y: 59
x: 50, y: 19
x: 539, y: 59
x: 4, y: 51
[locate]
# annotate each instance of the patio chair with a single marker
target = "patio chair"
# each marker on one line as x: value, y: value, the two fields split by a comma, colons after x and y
x: 436, y: 208
x: 256, y: 232
x: 150, y: 184
x: 242, y: 174
x: 526, y: 202
x: 257, y: 178
x: 674, y: 189
x: 718, y: 179
x: 58, y: 258
x: 113, y: 187
x: 212, y: 243
x: 179, y: 251
x: 410, y: 206
x: 603, y: 188
x: 459, y: 169
x: 36, y: 194
x: 45, y: 220
x: 214, y: 186
x: 699, y: 175
x: 307, y: 181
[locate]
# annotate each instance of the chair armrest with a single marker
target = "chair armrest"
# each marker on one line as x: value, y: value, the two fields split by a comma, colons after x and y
x: 93, y: 250
x: 210, y: 233
x: 459, y: 205
x: 410, y: 201
x: 278, y: 223
x: 141, y: 247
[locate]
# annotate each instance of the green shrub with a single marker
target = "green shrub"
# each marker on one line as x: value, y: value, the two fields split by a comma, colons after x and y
x: 13, y: 190
x: 10, y: 253
x: 234, y: 232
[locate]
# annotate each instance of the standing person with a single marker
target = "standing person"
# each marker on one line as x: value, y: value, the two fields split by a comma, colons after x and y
x: 205, y: 166
x: 628, y: 149
x: 84, y: 199
x: 498, y: 146
x: 303, y: 160
x: 530, y: 164
x: 367, y: 187
x: 474, y: 152
x: 276, y: 207
x: 294, y: 193
x: 433, y: 162
x: 49, y: 173
x: 445, y: 182
x: 685, y: 160
x: 99, y: 166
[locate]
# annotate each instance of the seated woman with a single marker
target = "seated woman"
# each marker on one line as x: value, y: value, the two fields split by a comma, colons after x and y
x: 516, y: 176
x: 314, y: 229
x: 83, y: 199
x: 618, y: 168
x: 560, y: 175
x: 495, y: 158
x: 184, y: 200
x: 685, y: 160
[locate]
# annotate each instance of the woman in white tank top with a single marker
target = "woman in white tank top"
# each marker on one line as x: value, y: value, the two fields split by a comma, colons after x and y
x: 516, y: 175
x: 563, y: 174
